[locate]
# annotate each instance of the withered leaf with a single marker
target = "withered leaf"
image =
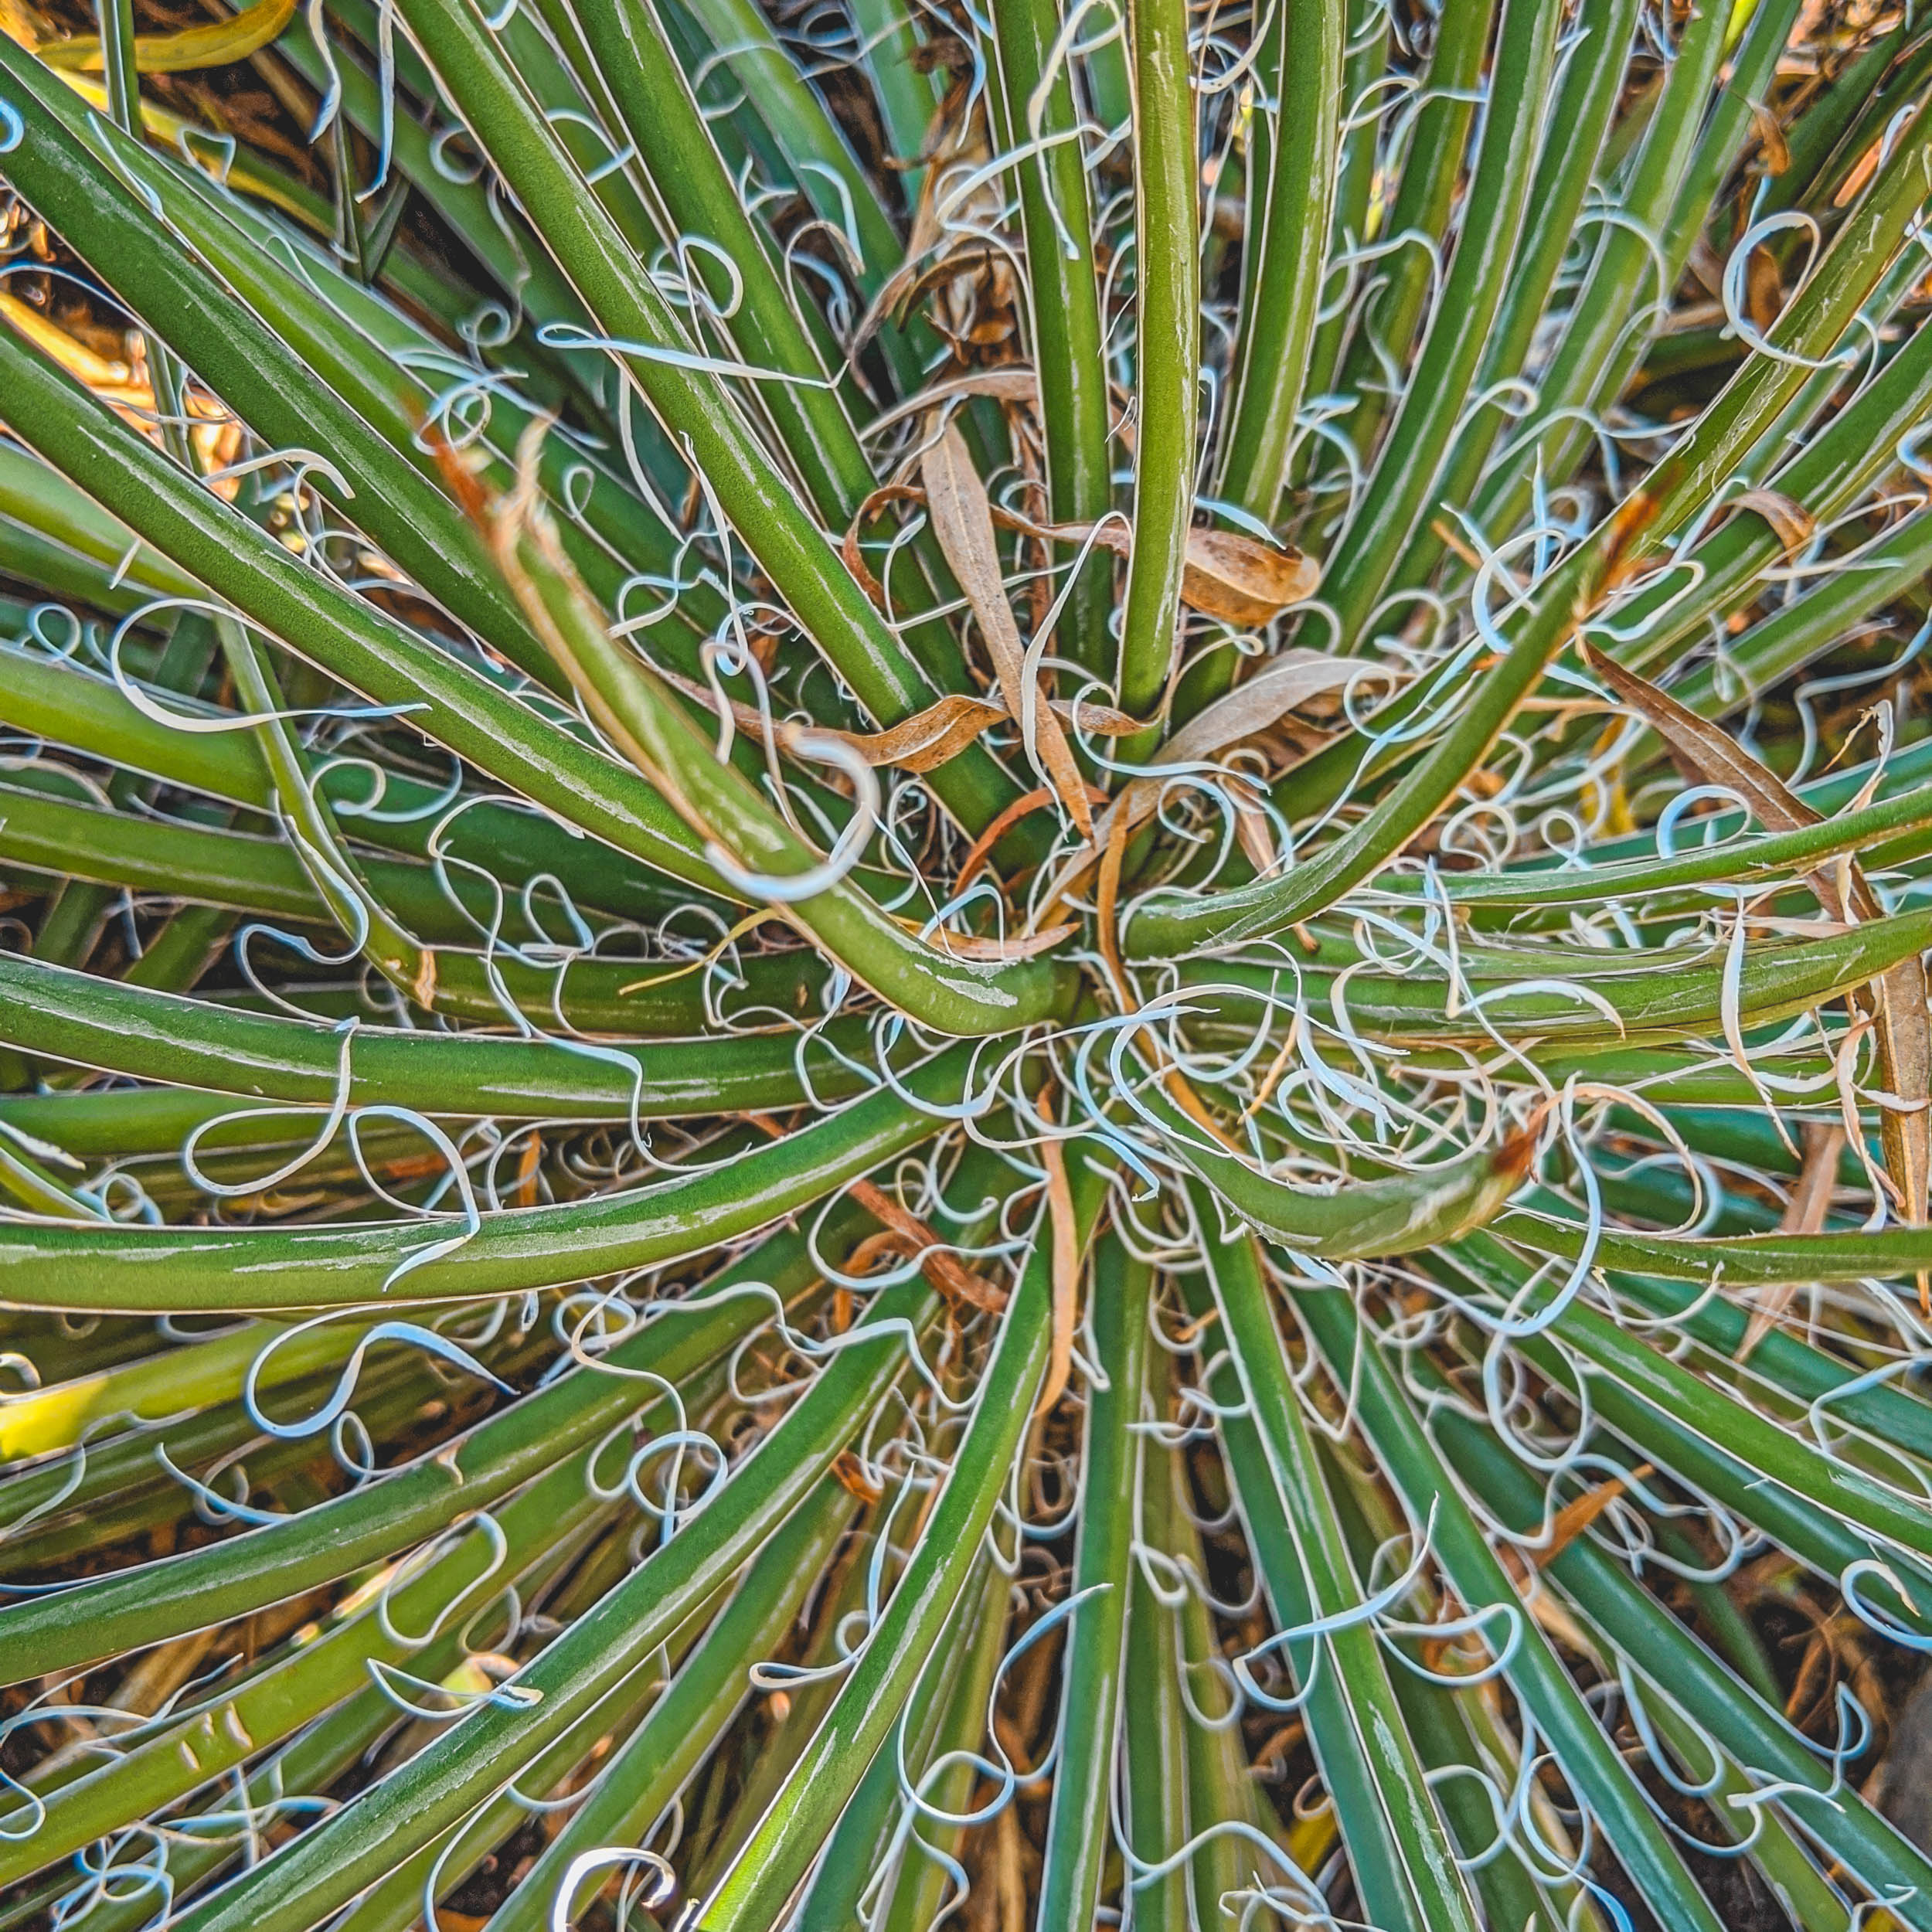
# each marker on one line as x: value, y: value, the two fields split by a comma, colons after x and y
x: 1792, y: 522
x: 1579, y: 1513
x: 943, y: 1269
x: 216, y: 43
x: 928, y: 738
x: 1896, y: 999
x: 1001, y: 952
x: 963, y: 522
x: 1290, y: 678
x: 1066, y: 1272
x: 1012, y: 382
x: 1225, y: 574
x: 922, y: 742
x: 1241, y: 580
x: 1770, y: 138
x: 1804, y: 1213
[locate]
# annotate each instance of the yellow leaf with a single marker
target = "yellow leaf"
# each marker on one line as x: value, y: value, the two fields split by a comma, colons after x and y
x: 217, y: 44
x: 79, y: 362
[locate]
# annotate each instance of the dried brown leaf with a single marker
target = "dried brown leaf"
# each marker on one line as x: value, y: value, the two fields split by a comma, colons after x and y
x: 1770, y: 138
x: 922, y: 742
x: 1066, y: 1273
x: 1292, y: 678
x: 897, y: 287
x: 1905, y: 1068
x: 1001, y: 952
x: 1285, y: 681
x: 1238, y: 579
x: 1579, y: 1513
x: 1896, y: 999
x: 1793, y: 523
x: 958, y: 137
x: 1101, y: 719
x: 943, y: 1269
x: 1823, y: 1142
x: 1255, y: 837
x: 1763, y: 289
x: 1859, y: 178
x: 850, y: 1475
x: 1012, y: 383
x: 849, y: 548
x: 928, y: 738
x: 982, y: 846
x: 962, y: 522
x: 1716, y: 758
x: 1241, y: 580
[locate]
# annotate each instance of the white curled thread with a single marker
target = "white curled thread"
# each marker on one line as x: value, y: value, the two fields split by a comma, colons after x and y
x: 204, y: 723
x: 664, y: 1881
x: 389, y: 1676
x: 1334, y: 1074
x: 421, y: 1568
x: 1372, y: 1610
x: 458, y: 1173
x: 789, y: 889
x: 1738, y: 323
x: 416, y: 1336
x: 572, y: 336
x: 338, y: 1109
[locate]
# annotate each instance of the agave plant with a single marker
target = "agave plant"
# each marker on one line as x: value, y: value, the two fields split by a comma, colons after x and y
x: 963, y: 966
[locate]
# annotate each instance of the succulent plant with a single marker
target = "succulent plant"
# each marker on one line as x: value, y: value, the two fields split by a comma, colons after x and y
x: 963, y: 967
